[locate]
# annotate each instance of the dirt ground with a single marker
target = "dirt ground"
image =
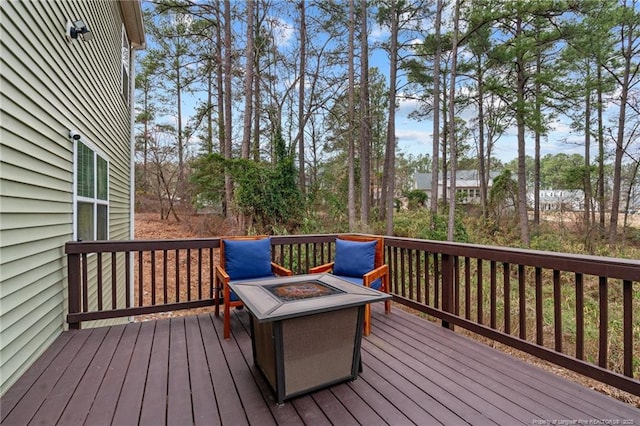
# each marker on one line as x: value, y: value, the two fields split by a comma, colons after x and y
x: 149, y: 226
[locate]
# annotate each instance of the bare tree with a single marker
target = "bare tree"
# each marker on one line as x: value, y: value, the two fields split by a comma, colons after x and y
x: 228, y: 98
x: 365, y: 120
x: 301, y: 97
x: 248, y: 80
x: 452, y: 121
x: 436, y: 112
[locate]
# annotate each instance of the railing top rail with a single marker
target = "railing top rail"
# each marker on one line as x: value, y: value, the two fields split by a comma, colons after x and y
x: 78, y: 247
x: 625, y: 269
x: 617, y: 268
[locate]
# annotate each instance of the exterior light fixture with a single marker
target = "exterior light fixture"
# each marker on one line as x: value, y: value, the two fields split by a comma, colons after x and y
x: 78, y: 28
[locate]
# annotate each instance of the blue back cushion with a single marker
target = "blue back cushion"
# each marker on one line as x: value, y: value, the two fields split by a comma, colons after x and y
x: 354, y: 258
x: 244, y: 259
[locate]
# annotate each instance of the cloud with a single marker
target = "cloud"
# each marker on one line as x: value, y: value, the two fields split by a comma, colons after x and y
x: 283, y: 32
x: 379, y: 33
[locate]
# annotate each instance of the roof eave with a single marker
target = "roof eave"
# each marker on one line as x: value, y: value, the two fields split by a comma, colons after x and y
x: 132, y: 18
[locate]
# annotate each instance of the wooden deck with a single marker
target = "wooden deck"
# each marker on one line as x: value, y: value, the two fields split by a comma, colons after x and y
x: 180, y: 371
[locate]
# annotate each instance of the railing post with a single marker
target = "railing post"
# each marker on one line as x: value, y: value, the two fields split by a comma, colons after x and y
x: 448, y: 282
x: 73, y: 286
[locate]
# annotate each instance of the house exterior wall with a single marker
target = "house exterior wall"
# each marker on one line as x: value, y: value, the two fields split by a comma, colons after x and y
x: 467, y: 185
x: 50, y: 85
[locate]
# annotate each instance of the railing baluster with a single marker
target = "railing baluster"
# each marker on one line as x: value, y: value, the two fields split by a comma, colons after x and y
x: 456, y: 285
x: 188, y: 283
x: 165, y: 276
x: 99, y: 280
x: 410, y: 261
x: 539, y: 313
x: 212, y: 266
x: 395, y: 269
x: 603, y: 293
x: 579, y: 282
x: 140, y: 278
x: 419, y: 280
x: 479, y: 286
x: 114, y: 281
x: 467, y: 287
x: 200, y: 268
x: 627, y: 302
x: 522, y: 299
x: 177, y: 268
x: 403, y: 275
x: 153, y: 277
x: 437, y: 280
x: 506, y: 281
x: 85, y: 283
x: 427, y: 279
x: 557, y: 310
x: 494, y: 295
x: 127, y: 279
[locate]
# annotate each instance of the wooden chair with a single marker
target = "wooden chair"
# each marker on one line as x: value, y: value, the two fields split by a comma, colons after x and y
x: 242, y: 259
x: 360, y: 260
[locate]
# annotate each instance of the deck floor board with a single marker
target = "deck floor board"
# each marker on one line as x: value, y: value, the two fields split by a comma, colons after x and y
x: 181, y: 371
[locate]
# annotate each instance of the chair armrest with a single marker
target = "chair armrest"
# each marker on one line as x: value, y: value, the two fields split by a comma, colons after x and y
x: 222, y: 275
x: 371, y: 276
x: 321, y: 268
x: 280, y: 270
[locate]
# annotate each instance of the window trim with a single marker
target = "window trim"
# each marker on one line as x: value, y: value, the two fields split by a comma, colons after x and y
x: 125, y: 58
x: 95, y: 201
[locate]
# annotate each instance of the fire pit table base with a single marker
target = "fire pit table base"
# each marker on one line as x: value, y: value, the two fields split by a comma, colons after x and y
x: 306, y: 330
x: 301, y: 354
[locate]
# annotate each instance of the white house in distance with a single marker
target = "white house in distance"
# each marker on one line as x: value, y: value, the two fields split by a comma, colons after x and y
x: 559, y: 200
x: 467, y: 185
x: 66, y: 155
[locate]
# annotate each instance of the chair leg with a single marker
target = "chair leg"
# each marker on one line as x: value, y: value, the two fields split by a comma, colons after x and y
x: 367, y: 319
x: 227, y: 320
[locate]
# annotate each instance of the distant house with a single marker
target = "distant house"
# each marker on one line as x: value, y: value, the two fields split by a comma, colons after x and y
x: 467, y: 185
x: 66, y: 164
x: 559, y: 200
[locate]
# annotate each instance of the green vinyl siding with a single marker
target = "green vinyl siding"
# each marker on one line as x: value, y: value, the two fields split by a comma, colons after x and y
x: 44, y: 94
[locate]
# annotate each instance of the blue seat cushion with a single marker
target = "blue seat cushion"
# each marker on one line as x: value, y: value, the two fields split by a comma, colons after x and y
x: 354, y: 258
x: 244, y: 259
x: 358, y: 281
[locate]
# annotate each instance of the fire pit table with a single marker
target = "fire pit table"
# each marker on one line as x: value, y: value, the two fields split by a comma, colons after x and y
x: 306, y: 330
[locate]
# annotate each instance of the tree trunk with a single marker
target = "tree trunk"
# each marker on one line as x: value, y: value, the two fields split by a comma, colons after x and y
x: 248, y: 81
x: 626, y: 52
x: 520, y: 120
x: 482, y: 165
x: 390, y: 152
x: 587, y: 153
x: 351, y: 196
x: 436, y: 115
x: 228, y: 184
x: 365, y: 121
x: 301, y: 92
x: 536, y: 160
x: 452, y: 125
x: 601, y: 153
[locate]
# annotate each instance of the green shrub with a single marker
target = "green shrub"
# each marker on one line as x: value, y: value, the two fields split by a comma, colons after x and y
x: 422, y: 224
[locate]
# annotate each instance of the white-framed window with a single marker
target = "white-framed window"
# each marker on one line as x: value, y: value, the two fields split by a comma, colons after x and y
x: 91, y: 193
x: 125, y: 50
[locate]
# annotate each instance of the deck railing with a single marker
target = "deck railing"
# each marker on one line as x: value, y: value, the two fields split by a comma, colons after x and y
x: 575, y: 311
